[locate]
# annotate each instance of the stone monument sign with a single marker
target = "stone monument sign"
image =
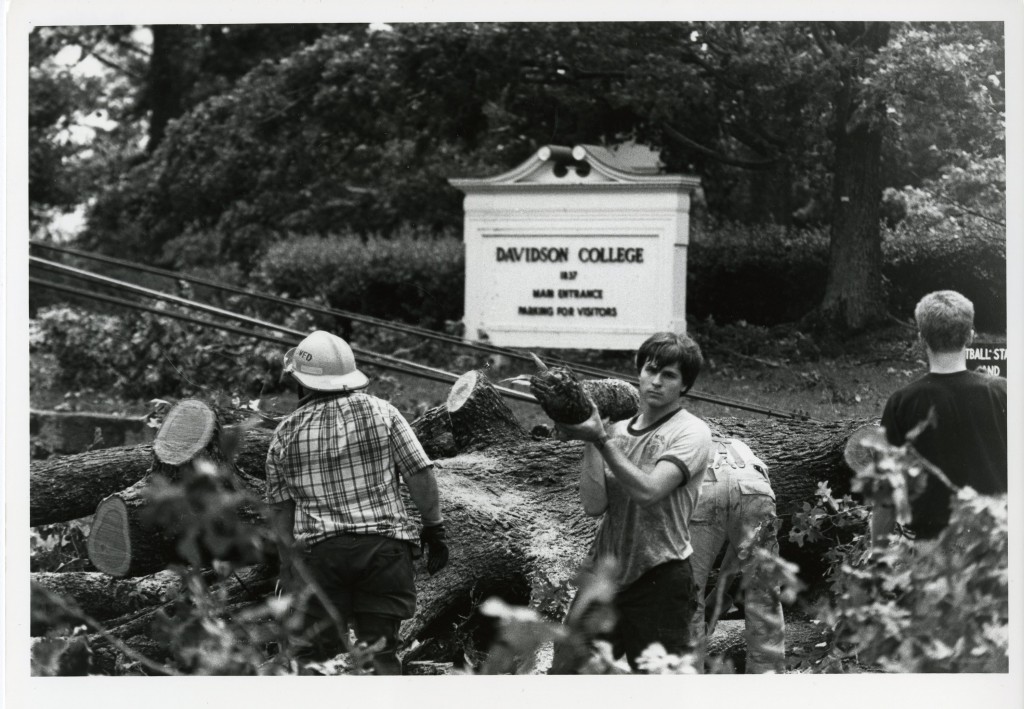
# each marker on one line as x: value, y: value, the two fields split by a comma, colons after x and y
x: 576, y: 248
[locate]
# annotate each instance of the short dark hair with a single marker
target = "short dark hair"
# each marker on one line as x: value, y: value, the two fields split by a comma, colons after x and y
x: 945, y: 320
x: 667, y: 348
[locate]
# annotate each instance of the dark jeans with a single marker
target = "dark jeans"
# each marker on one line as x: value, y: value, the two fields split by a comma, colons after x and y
x: 369, y: 581
x: 657, y: 607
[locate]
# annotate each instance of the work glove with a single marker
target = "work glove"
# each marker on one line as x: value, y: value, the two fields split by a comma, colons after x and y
x: 432, y: 541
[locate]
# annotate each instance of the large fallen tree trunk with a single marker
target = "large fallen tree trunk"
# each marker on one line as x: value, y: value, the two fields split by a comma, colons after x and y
x: 70, y: 486
x: 246, y: 585
x: 517, y: 519
x: 516, y: 525
x: 493, y: 454
x: 804, y: 640
x: 97, y: 595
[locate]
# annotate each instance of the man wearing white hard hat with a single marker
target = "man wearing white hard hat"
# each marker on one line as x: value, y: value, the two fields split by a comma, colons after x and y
x: 333, y: 472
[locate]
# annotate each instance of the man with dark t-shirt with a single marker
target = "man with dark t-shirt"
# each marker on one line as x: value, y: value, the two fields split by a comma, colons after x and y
x: 967, y: 439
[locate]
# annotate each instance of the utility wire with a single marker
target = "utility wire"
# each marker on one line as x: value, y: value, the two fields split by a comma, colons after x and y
x: 374, y: 358
x: 369, y: 358
x: 355, y: 317
x: 399, y: 327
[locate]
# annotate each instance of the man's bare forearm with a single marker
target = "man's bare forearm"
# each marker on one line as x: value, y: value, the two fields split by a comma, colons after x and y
x: 423, y: 491
x: 593, y: 493
x: 641, y: 486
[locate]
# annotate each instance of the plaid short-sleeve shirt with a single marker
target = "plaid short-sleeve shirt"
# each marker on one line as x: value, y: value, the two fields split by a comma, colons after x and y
x: 340, y: 459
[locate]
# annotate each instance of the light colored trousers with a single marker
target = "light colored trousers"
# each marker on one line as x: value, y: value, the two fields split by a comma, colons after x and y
x: 735, y: 498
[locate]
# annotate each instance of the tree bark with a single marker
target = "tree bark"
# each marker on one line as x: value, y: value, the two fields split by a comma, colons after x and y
x: 799, y: 454
x: 615, y: 399
x: 728, y: 642
x: 131, y: 534
x: 98, y: 595
x: 247, y: 585
x: 854, y: 298
x: 171, y: 75
x: 516, y: 526
x: 68, y: 487
x: 434, y: 431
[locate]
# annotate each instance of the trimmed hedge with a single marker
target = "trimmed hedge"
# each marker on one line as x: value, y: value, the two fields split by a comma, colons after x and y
x: 974, y: 265
x: 408, y: 277
x: 765, y: 275
x: 768, y: 275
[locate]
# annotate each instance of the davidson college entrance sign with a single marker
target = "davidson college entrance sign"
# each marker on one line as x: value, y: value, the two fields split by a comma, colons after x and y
x: 576, y: 248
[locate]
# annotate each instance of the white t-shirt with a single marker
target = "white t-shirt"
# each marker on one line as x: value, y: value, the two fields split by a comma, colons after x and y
x: 642, y: 537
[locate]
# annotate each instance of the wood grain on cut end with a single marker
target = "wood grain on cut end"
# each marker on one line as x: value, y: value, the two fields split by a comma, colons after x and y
x: 479, y: 416
x: 109, y: 544
x: 187, y: 429
x: 462, y: 389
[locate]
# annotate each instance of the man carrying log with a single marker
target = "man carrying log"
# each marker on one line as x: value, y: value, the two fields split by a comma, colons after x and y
x: 965, y: 433
x: 333, y: 470
x: 643, y: 475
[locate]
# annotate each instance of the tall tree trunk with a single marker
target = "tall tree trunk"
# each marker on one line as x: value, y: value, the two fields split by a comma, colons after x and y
x: 853, y: 292
x: 171, y: 76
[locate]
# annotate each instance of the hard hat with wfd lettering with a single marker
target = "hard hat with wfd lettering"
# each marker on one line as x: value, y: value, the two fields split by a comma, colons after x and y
x: 324, y: 362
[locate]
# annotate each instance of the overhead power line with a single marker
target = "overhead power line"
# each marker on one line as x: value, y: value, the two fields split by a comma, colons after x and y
x: 371, y: 357
x: 580, y: 368
x: 335, y: 312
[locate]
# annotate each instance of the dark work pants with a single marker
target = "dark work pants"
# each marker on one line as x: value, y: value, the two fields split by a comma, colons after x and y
x: 656, y: 608
x: 369, y: 581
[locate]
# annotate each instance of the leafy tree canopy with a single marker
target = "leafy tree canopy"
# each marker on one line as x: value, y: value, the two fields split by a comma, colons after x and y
x: 360, y: 129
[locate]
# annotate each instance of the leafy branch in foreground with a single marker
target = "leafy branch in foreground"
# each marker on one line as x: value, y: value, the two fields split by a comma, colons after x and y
x: 936, y: 605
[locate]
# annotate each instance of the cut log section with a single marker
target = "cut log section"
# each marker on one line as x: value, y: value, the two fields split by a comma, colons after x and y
x: 122, y: 541
x: 69, y: 487
x: 567, y: 399
x: 188, y: 428
x: 127, y: 538
x: 478, y: 415
x: 615, y: 399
